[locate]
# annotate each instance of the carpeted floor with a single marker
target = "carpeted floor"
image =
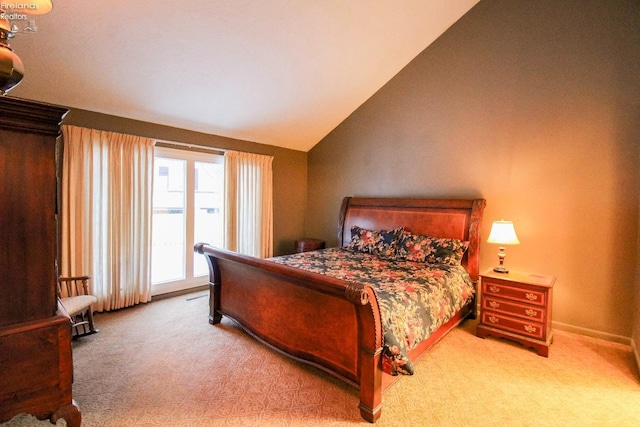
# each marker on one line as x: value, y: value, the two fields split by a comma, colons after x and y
x: 162, y: 364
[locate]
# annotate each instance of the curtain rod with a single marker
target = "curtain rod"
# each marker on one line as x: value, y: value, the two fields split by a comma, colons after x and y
x: 191, y: 146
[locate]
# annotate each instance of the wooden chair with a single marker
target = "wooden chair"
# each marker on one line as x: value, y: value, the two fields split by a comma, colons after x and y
x: 74, y: 296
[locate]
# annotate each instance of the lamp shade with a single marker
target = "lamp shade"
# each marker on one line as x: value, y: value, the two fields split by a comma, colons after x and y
x: 503, y: 233
x: 30, y: 7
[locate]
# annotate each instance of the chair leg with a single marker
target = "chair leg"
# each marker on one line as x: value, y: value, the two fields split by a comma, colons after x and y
x: 92, y: 328
x: 83, y: 324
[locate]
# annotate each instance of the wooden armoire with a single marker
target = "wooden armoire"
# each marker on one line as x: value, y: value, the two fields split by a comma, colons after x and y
x: 36, y: 368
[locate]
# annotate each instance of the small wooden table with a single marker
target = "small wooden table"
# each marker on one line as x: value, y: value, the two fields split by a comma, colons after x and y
x: 306, y: 245
x: 517, y: 306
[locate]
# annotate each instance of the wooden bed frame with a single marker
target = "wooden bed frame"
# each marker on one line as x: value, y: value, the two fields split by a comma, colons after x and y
x: 332, y: 324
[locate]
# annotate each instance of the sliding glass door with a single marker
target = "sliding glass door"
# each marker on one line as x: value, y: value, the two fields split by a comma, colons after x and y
x: 188, y: 193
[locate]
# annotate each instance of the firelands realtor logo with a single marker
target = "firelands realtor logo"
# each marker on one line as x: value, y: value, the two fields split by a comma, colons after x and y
x: 20, y: 15
x: 33, y: 6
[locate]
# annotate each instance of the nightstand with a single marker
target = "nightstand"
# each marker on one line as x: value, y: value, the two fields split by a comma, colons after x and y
x: 517, y: 306
x: 306, y: 245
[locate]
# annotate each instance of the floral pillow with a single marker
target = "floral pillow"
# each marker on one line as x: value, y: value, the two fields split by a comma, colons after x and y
x: 432, y: 250
x: 381, y: 243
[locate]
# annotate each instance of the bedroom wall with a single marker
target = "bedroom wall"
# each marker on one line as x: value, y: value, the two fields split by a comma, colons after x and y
x: 636, y: 314
x: 289, y: 167
x: 533, y: 106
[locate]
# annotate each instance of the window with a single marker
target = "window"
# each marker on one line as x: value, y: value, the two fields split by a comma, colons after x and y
x: 188, y: 205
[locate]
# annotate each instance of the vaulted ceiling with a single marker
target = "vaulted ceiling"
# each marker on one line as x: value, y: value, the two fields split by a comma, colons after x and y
x: 278, y: 72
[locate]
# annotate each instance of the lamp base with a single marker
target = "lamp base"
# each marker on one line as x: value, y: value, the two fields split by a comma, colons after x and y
x: 501, y: 269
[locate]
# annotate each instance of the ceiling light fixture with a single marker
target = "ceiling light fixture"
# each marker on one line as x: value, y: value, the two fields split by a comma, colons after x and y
x: 11, y: 66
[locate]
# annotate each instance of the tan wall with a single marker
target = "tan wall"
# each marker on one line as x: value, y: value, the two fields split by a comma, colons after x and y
x: 289, y: 167
x: 636, y: 314
x: 533, y: 106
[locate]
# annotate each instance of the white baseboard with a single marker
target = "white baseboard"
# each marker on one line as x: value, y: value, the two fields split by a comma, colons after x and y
x: 595, y: 334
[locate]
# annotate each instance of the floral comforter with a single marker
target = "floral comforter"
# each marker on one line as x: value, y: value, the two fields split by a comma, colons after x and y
x: 415, y: 298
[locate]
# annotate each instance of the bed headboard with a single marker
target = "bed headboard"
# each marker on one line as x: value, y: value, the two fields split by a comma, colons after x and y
x: 449, y: 218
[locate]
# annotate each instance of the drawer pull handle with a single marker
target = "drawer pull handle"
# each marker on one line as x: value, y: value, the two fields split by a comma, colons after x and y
x: 494, y: 289
x: 531, y: 313
x: 494, y: 304
x: 531, y: 297
x: 493, y: 319
x: 530, y: 329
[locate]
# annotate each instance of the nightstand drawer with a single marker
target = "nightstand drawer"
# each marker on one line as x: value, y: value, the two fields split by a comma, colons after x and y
x: 536, y: 314
x: 521, y: 327
x: 529, y: 296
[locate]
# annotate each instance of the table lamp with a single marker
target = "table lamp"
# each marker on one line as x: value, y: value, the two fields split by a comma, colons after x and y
x: 502, y: 233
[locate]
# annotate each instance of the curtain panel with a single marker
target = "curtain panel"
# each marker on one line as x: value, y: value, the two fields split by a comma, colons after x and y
x: 107, y: 189
x: 248, y: 218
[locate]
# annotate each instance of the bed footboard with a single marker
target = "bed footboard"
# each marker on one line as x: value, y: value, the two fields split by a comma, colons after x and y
x: 328, y: 323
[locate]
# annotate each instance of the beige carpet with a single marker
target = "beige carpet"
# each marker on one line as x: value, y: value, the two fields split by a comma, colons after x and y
x: 162, y: 364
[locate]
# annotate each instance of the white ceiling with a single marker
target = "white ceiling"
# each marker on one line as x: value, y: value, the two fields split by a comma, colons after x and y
x: 278, y: 72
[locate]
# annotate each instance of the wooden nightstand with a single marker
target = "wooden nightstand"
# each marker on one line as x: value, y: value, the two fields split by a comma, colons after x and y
x: 517, y: 306
x: 306, y: 245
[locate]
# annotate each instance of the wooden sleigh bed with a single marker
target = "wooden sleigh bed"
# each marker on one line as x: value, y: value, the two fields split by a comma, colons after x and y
x: 330, y: 323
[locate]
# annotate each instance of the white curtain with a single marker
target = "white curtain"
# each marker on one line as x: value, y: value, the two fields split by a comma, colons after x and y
x: 248, y: 219
x: 107, y: 189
